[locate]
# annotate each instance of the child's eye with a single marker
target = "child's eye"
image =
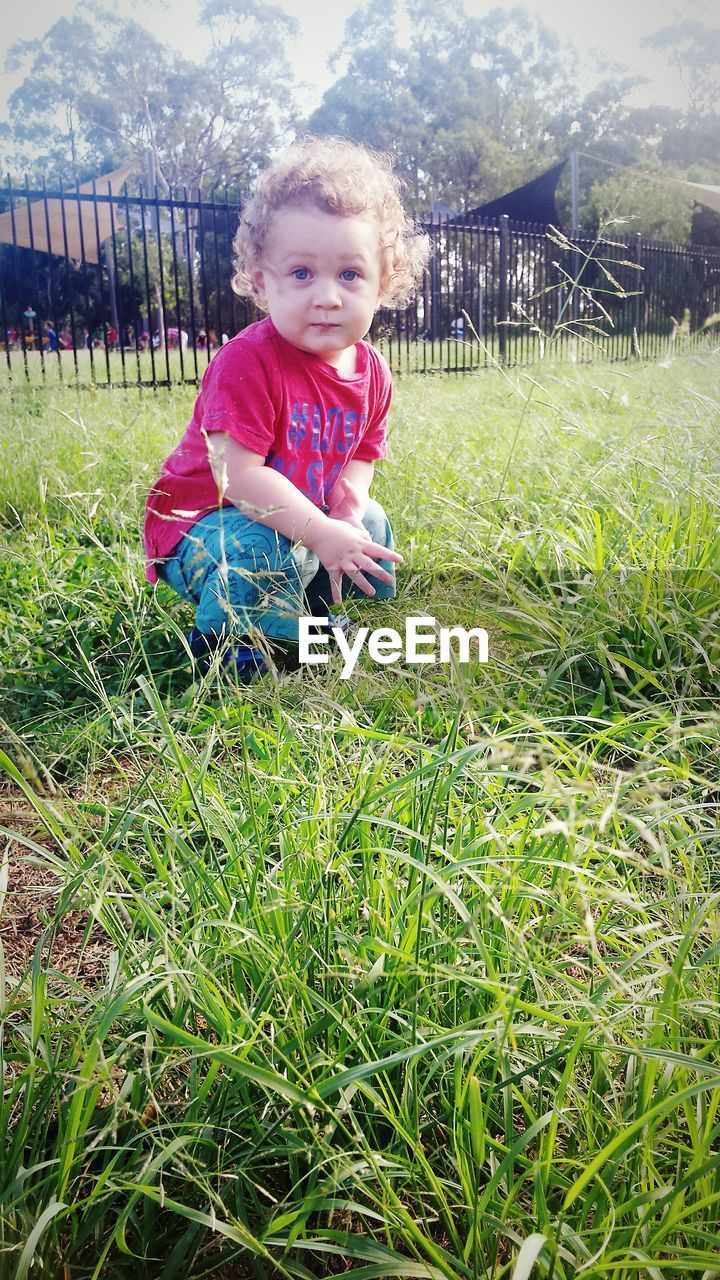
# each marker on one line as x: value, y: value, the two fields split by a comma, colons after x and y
x: 300, y: 273
x: 350, y: 274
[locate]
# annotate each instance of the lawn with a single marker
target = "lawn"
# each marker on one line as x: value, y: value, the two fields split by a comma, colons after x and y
x: 410, y: 974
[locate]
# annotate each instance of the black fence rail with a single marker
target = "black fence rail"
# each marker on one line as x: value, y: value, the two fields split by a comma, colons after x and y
x: 134, y: 290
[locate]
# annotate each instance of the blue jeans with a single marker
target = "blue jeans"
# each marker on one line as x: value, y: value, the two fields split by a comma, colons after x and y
x: 241, y: 575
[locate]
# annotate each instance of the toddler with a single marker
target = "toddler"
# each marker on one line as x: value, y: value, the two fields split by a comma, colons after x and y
x: 263, y: 512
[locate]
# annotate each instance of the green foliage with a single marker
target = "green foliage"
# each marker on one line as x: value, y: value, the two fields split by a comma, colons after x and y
x: 469, y: 107
x: 409, y: 975
x: 48, y: 108
x: 100, y: 90
x: 465, y: 107
x: 653, y: 208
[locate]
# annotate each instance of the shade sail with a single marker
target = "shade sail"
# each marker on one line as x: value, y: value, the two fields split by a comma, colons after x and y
x: 532, y: 202
x: 87, y: 223
x: 700, y: 191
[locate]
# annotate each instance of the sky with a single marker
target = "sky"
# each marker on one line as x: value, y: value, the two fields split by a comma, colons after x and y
x: 615, y: 29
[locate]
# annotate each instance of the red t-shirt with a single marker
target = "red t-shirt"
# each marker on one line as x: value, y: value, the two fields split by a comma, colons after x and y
x: 293, y: 408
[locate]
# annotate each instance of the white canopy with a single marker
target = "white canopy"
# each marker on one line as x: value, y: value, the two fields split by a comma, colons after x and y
x: 87, y: 223
x: 701, y: 192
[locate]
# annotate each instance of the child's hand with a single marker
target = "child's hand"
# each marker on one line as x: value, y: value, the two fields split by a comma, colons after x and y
x: 344, y: 549
x: 346, y: 503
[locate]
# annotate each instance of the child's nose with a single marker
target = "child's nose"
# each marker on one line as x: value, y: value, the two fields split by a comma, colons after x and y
x: 327, y: 292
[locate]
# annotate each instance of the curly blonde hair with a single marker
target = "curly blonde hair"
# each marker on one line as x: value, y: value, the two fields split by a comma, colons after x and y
x: 343, y: 178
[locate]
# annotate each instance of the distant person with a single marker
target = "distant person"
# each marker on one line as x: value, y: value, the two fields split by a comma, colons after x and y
x: 292, y: 413
x: 29, y: 319
x: 50, y: 338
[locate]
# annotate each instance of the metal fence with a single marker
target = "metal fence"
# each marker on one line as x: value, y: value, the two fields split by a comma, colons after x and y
x: 148, y: 299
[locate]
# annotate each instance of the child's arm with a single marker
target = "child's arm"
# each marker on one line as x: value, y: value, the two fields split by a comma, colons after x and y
x: 271, y: 499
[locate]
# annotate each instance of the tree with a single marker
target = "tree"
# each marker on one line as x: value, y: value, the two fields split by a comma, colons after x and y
x: 627, y: 205
x: 99, y: 91
x: 48, y: 110
x: 694, y: 48
x: 466, y: 106
x: 250, y: 83
x: 662, y: 140
x: 372, y: 101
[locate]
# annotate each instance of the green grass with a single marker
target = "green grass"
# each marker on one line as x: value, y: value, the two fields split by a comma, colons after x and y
x: 414, y: 974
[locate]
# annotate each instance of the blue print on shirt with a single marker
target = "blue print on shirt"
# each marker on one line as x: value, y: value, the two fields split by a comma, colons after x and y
x: 315, y: 441
x: 331, y: 477
x: 314, y: 481
x: 349, y: 430
x: 297, y: 431
x: 333, y: 426
x: 321, y: 431
x: 330, y: 429
x: 320, y: 482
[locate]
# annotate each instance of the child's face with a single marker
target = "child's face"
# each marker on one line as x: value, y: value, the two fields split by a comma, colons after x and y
x: 320, y: 279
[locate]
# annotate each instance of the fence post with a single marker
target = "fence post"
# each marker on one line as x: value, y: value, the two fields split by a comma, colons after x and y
x: 434, y: 323
x: 640, y: 294
x: 503, y: 289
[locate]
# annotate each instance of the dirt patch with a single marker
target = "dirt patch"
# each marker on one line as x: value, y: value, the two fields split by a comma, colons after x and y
x: 76, y: 947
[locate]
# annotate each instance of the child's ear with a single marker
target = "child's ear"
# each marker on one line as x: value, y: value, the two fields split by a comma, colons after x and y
x: 258, y: 280
x: 385, y: 273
